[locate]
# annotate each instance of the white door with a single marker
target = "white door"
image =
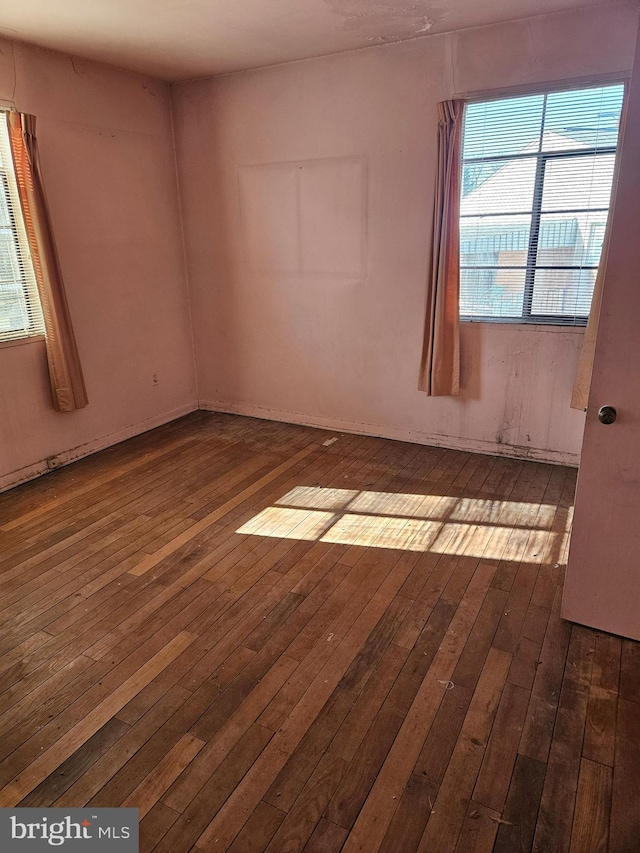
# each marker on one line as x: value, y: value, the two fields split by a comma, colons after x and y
x: 602, y: 587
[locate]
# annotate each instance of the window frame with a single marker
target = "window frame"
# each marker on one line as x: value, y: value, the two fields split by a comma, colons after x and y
x: 526, y: 318
x: 35, y: 331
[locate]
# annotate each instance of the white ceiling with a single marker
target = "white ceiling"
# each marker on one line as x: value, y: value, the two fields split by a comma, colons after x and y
x: 182, y: 39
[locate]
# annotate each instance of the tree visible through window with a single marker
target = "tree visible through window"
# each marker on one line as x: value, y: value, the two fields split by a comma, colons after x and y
x: 20, y: 312
x: 537, y: 174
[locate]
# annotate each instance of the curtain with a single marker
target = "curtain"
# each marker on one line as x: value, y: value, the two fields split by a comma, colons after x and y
x: 440, y: 362
x: 582, y: 382
x: 65, y: 373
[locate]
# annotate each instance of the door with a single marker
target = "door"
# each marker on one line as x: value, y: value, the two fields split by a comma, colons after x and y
x: 602, y: 587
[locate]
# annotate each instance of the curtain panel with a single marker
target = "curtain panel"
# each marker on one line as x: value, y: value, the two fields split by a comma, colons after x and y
x: 65, y: 373
x: 582, y: 382
x: 440, y: 362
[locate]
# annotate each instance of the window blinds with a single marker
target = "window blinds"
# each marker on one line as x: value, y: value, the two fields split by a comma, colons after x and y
x: 20, y: 312
x: 537, y: 174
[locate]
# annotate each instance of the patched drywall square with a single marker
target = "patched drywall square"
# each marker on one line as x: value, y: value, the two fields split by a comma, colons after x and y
x: 333, y: 216
x: 306, y: 217
x: 269, y: 210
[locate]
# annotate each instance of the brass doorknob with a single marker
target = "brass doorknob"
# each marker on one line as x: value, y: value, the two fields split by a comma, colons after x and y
x: 607, y: 415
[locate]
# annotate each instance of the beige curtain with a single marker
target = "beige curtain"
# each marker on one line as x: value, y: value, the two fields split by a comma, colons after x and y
x: 582, y: 382
x: 67, y: 383
x: 440, y: 363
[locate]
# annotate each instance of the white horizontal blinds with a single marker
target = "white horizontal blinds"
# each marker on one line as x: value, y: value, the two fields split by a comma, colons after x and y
x: 20, y: 312
x: 537, y: 174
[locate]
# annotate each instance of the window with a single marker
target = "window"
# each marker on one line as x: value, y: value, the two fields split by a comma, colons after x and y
x: 537, y: 173
x: 20, y: 312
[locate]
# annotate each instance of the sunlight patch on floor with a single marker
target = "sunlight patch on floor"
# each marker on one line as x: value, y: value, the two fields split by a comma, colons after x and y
x: 429, y: 507
x: 473, y: 527
x: 289, y: 523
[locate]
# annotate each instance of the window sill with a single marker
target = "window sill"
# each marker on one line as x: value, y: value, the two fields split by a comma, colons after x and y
x: 530, y: 327
x: 18, y: 342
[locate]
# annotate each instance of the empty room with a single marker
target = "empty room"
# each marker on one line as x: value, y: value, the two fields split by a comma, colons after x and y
x: 319, y: 426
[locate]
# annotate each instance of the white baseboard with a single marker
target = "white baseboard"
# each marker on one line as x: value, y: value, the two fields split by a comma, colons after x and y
x: 21, y: 475
x: 536, y: 454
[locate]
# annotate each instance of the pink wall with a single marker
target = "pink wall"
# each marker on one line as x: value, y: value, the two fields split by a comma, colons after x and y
x: 306, y: 193
x: 602, y: 586
x: 107, y: 153
x: 306, y: 198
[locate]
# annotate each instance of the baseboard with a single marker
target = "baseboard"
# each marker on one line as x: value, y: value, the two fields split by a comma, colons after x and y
x: 397, y: 433
x: 30, y: 472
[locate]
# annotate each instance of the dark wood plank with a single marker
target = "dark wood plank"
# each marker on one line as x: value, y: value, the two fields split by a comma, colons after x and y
x: 209, y: 796
x: 443, y: 735
x: 624, y: 829
x: 500, y: 756
x: 561, y: 782
x: 363, y: 769
x: 600, y: 728
x: 155, y: 825
x: 590, y: 832
x: 455, y: 791
x: 521, y: 809
x: 72, y: 769
x: 327, y: 838
x: 305, y: 813
x: 300, y: 765
x: 413, y: 812
x: 630, y: 671
x: 108, y: 765
x: 479, y: 830
x: 258, y: 830
x: 545, y: 694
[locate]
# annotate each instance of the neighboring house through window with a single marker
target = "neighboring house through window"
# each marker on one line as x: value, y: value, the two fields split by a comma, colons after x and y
x: 537, y: 174
x: 20, y: 312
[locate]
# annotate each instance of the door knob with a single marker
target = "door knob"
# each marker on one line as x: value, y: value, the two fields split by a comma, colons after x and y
x: 607, y: 415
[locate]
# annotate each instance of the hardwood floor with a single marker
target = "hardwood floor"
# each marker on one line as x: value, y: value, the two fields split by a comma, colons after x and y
x: 267, y: 639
